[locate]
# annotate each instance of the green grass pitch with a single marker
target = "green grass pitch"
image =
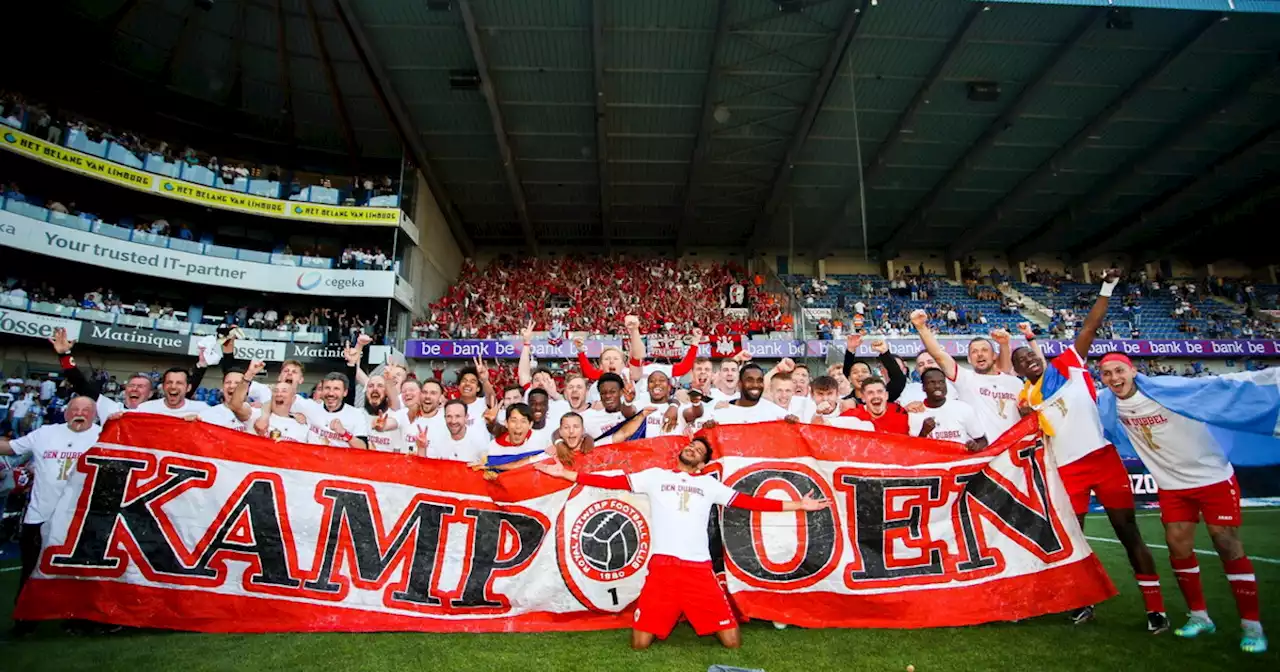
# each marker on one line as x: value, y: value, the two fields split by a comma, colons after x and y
x: 1117, y: 641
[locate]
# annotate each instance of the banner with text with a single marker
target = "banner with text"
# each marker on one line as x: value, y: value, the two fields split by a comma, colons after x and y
x: 195, y: 527
x: 99, y: 168
x: 126, y: 256
x: 766, y: 348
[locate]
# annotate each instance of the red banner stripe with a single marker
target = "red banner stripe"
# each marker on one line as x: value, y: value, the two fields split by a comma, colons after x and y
x: 1060, y: 589
x: 149, y: 607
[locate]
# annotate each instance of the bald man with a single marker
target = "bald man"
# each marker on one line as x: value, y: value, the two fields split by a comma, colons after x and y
x: 53, y: 451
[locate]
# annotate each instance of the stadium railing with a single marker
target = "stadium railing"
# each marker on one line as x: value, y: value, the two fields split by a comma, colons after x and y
x: 91, y: 224
x: 181, y: 327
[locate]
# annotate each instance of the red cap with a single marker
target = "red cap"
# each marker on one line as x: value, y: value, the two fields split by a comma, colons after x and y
x: 1117, y: 357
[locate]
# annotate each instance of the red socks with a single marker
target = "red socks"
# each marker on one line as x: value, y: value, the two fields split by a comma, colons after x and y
x: 1245, y: 587
x: 1187, y: 571
x: 1149, y: 584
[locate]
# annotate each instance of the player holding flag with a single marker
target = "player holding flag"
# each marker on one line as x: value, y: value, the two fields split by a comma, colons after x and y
x: 1179, y: 427
x: 680, y: 578
x: 1063, y: 396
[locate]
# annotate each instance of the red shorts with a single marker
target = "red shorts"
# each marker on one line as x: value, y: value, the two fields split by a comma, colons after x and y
x: 1102, y: 473
x: 676, y: 587
x: 1218, y: 503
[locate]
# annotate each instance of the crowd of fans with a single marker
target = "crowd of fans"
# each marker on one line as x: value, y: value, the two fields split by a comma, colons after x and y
x: 54, y: 124
x: 337, y: 325
x: 590, y: 295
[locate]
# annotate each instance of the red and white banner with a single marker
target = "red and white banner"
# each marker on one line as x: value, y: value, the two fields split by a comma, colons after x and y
x: 189, y: 526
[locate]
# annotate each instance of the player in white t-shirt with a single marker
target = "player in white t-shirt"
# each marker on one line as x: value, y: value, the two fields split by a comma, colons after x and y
x: 1195, y: 481
x: 458, y: 442
x: 914, y: 392
x: 680, y: 579
x: 173, y: 400
x: 750, y: 406
x: 385, y: 434
x: 422, y: 415
x: 234, y: 411
x: 946, y: 420
x: 666, y: 418
x: 54, y: 451
x: 783, y: 390
x: 1063, y: 395
x: 335, y: 422
x: 277, y: 421
x: 471, y: 381
x: 986, y: 387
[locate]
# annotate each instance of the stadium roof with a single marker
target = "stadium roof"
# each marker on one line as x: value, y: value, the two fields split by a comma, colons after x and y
x: 1021, y: 127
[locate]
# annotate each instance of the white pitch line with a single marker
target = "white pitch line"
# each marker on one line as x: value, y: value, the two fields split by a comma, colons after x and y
x: 10, y: 569
x: 1268, y: 561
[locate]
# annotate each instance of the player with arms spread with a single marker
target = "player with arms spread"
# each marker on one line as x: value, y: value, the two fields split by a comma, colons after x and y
x: 1172, y: 423
x: 1063, y: 396
x: 680, y: 579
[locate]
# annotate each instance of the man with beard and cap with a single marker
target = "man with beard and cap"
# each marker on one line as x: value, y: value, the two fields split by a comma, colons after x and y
x: 276, y: 420
x: 1063, y: 396
x: 991, y: 392
x: 946, y: 420
x: 53, y: 451
x: 423, y: 413
x: 175, y: 385
x: 384, y: 431
x: 681, y: 579
x: 914, y: 392
x: 234, y: 411
x: 750, y: 406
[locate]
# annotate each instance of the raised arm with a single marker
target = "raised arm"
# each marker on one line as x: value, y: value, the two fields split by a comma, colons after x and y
x: 524, y: 371
x: 1098, y: 313
x: 62, y: 346
x: 685, y: 365
x: 238, y: 401
x: 1004, y: 359
x: 486, y: 385
x: 589, y: 370
x: 897, y: 379
x: 627, y: 429
x: 851, y: 343
x: 947, y: 363
x: 636, y: 346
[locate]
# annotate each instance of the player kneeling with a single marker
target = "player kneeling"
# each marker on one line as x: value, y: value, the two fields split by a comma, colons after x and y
x: 680, y: 579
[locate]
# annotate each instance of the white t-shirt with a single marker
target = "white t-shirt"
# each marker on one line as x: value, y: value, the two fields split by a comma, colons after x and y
x: 468, y: 449
x: 848, y: 422
x: 409, y: 430
x: 556, y: 409
x: 475, y: 413
x: 763, y: 411
x: 47, y: 389
x: 54, y: 450
x: 654, y: 421
x: 537, y: 441
x: 259, y: 393
x: 993, y: 397
x: 915, y: 392
x: 158, y: 407
x: 802, y: 407
x: 1179, y: 452
x: 596, y: 422
x: 679, y: 506
x: 223, y: 416
x: 354, y: 420
x: 389, y: 441
x: 956, y: 422
x: 282, y: 428
x: 1073, y: 411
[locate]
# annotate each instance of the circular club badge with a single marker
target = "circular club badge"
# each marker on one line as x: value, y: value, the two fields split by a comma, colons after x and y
x: 604, y: 549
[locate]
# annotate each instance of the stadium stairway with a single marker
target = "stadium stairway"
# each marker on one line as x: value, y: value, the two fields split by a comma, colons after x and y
x: 1037, y: 313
